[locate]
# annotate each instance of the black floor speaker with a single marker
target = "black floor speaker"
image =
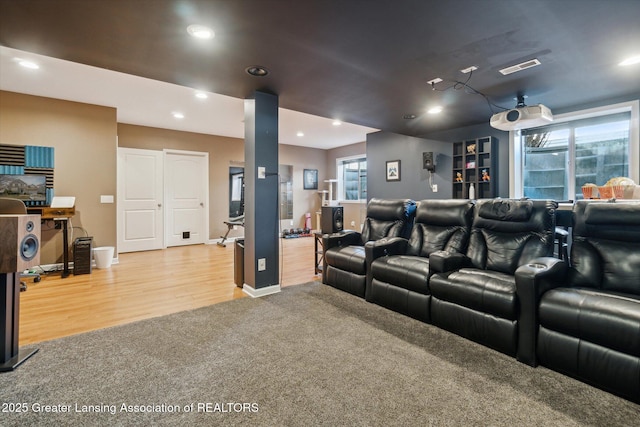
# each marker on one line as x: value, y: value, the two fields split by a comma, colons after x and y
x: 82, y: 255
x: 332, y: 219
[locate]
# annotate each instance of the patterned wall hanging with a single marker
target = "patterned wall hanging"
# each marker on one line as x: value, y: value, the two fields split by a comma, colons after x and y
x: 26, y: 173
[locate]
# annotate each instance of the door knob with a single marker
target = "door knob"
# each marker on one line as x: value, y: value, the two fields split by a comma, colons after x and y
x: 159, y: 205
x: 202, y: 204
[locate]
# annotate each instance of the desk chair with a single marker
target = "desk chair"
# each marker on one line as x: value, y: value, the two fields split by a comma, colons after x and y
x: 10, y: 206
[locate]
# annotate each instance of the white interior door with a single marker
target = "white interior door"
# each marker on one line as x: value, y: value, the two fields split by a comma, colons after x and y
x: 186, y: 195
x: 140, y: 200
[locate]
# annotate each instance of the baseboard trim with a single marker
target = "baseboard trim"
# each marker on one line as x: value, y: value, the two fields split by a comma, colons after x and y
x: 260, y: 292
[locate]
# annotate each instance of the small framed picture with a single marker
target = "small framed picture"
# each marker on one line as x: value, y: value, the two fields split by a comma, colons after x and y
x: 310, y: 177
x: 393, y: 170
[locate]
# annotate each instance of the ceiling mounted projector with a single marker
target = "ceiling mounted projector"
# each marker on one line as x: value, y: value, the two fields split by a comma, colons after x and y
x: 522, y: 117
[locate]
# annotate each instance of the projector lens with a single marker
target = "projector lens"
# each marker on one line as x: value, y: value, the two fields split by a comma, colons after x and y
x: 513, y: 115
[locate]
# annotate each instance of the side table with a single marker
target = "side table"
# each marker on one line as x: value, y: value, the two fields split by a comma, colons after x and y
x: 319, y: 251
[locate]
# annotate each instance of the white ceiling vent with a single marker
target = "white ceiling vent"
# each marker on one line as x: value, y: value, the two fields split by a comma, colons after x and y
x: 520, y: 67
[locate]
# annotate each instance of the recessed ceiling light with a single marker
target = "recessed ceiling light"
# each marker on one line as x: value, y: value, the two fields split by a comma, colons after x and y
x: 257, y: 70
x: 630, y: 61
x: 434, y: 81
x: 336, y: 123
x: 28, y: 64
x: 409, y: 116
x: 434, y: 110
x: 200, y: 32
x: 201, y: 95
x: 178, y: 115
x: 469, y: 69
x: 300, y: 134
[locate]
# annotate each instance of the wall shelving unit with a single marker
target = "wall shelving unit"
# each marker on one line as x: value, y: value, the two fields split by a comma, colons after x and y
x: 470, y: 159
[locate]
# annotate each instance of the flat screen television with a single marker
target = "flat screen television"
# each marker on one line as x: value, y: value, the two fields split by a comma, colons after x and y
x: 31, y: 189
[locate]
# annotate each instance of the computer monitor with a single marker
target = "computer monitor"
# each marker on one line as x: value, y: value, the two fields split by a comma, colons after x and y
x: 31, y: 189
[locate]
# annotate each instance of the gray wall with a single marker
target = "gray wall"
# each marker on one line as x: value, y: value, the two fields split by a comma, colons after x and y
x: 414, y: 180
x: 479, y: 131
x: 484, y: 129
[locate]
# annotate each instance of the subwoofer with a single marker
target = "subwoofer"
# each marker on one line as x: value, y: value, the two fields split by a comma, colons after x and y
x: 332, y: 219
x: 20, y: 243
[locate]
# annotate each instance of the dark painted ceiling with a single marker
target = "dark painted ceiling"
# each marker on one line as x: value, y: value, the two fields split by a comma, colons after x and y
x: 363, y: 61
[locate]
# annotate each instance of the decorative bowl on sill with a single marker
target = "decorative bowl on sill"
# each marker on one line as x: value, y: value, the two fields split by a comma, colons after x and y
x: 606, y: 192
x: 589, y: 191
x: 623, y: 191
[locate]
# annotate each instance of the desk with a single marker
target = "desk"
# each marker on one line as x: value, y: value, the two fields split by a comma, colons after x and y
x: 59, y: 216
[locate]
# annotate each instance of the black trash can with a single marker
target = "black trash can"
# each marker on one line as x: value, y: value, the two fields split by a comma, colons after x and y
x: 238, y: 262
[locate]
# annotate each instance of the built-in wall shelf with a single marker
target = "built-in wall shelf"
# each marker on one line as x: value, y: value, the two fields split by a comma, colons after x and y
x: 475, y: 162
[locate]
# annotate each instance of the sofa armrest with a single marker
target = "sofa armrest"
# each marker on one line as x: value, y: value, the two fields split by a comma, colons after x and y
x: 441, y: 261
x: 385, y: 246
x: 335, y: 240
x: 377, y: 249
x: 342, y: 238
x: 532, y: 281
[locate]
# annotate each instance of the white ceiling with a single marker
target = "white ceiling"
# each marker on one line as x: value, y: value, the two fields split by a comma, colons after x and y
x: 146, y: 102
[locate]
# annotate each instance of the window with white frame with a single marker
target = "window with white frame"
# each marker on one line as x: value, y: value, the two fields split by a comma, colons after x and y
x: 558, y: 159
x: 352, y: 178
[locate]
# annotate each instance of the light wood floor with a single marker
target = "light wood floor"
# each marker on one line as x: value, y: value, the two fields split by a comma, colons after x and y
x: 144, y: 285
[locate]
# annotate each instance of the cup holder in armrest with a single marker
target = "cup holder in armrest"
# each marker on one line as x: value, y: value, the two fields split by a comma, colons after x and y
x: 536, y: 265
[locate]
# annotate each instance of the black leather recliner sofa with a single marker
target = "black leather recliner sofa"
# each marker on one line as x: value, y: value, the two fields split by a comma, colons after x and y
x: 344, y: 263
x: 399, y: 273
x: 590, y: 325
x: 474, y: 295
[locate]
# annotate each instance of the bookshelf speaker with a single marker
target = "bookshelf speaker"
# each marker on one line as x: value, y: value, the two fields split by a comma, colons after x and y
x: 427, y: 161
x: 332, y: 219
x: 20, y: 243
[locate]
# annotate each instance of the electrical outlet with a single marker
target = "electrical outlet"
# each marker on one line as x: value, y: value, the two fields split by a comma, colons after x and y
x: 353, y: 223
x: 262, y: 264
x: 434, y: 188
x: 262, y: 172
x: 291, y: 222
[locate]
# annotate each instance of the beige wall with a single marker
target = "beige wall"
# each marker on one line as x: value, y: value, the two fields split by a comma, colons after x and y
x: 354, y: 213
x: 225, y: 152
x: 222, y: 150
x: 84, y: 139
x: 303, y: 200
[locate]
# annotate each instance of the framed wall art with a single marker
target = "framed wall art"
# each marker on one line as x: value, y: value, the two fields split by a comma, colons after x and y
x: 393, y: 170
x: 310, y: 177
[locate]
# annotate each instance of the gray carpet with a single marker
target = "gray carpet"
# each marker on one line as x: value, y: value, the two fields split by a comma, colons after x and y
x: 310, y: 355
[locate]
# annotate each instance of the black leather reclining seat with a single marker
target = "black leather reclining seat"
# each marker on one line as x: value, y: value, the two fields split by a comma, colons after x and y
x: 399, y: 271
x: 344, y: 263
x: 475, y: 294
x: 590, y: 328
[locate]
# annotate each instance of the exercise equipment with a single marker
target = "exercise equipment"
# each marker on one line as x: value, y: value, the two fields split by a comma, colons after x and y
x: 233, y: 222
